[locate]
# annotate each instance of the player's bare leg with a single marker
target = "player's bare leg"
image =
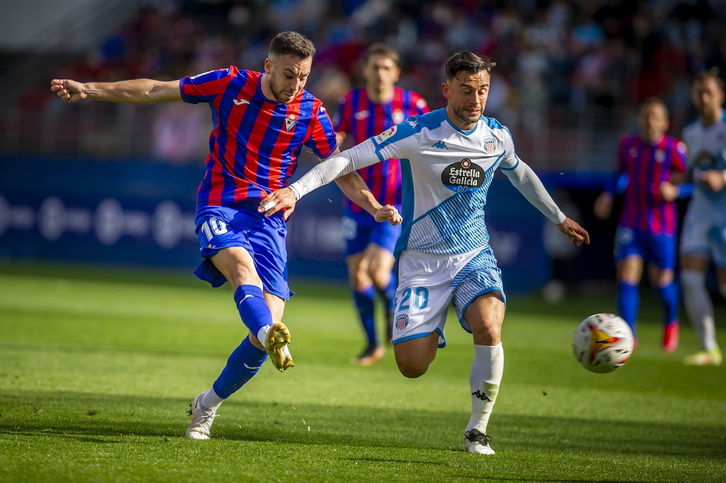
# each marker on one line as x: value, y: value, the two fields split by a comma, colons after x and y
x: 414, y: 356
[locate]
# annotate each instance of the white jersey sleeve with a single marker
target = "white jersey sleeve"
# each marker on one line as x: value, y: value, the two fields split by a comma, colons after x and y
x: 345, y: 162
x: 528, y: 183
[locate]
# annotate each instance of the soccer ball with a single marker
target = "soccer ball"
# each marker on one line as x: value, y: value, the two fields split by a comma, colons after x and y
x: 603, y: 342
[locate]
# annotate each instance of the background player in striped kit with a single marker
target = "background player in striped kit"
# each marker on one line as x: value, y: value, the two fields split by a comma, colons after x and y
x: 262, y: 120
x: 649, y: 163
x: 703, y: 239
x: 365, y: 112
x: 448, y: 158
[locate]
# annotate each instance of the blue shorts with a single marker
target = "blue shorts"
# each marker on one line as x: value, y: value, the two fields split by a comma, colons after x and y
x: 659, y: 250
x: 361, y: 229
x: 262, y: 237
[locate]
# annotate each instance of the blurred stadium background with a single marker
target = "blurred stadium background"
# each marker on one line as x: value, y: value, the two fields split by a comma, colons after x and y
x: 115, y: 184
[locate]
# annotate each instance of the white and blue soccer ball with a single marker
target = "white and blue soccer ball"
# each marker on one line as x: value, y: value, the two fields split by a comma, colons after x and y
x: 603, y: 342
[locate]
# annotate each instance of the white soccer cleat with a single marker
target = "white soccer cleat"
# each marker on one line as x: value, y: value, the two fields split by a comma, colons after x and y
x: 477, y: 442
x: 202, y: 419
x: 276, y: 345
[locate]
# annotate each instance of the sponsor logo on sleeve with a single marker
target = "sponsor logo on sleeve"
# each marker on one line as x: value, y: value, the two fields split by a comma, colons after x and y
x: 386, y: 134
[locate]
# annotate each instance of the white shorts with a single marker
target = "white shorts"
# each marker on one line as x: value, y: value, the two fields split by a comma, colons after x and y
x: 704, y: 233
x: 428, y: 284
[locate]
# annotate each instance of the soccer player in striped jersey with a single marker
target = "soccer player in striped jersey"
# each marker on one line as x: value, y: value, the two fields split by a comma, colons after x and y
x: 448, y: 160
x: 365, y: 112
x: 650, y: 167
x: 703, y: 240
x: 262, y: 120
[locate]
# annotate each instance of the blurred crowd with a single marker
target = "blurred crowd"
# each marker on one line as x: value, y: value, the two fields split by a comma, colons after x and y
x: 556, y: 59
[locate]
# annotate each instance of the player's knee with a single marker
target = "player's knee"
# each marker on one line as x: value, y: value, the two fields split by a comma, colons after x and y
x: 412, y: 367
x: 412, y: 371
x: 381, y: 280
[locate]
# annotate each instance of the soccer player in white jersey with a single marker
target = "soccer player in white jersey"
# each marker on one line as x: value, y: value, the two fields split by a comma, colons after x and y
x: 448, y: 158
x: 703, y: 239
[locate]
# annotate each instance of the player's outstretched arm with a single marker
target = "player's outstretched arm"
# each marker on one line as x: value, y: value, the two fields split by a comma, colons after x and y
x: 353, y: 186
x: 337, y: 166
x: 578, y: 235
x: 135, y: 91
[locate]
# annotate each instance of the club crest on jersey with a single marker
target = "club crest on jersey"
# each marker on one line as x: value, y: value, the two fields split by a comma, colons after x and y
x: 290, y: 122
x: 462, y: 177
x: 386, y: 134
x: 401, y: 322
x: 490, y: 145
x: 397, y: 116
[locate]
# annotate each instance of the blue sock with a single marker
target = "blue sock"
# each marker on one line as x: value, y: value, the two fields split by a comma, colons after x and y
x: 389, y: 304
x: 243, y: 363
x: 389, y: 295
x: 628, y: 303
x: 669, y: 299
x: 252, y: 307
x: 364, y: 302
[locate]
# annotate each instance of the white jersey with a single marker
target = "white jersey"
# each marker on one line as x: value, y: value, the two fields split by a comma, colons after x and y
x: 704, y: 227
x: 446, y: 175
x: 706, y: 151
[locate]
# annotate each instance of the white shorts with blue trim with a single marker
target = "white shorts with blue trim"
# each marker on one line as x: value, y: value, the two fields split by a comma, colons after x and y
x: 428, y: 284
x: 704, y: 233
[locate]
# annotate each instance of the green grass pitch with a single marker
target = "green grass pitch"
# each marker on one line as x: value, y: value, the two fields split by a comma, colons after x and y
x: 97, y: 369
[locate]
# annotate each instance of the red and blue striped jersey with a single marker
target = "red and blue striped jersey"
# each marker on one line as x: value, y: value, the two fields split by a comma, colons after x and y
x: 255, y: 142
x: 646, y: 166
x: 361, y: 118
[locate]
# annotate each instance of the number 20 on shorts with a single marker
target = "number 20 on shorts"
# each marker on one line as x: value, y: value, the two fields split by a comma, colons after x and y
x: 418, y: 297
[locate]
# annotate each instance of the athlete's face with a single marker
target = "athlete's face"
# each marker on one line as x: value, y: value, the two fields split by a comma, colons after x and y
x: 653, y: 120
x: 287, y: 76
x: 380, y: 73
x: 467, y: 96
x: 708, y: 98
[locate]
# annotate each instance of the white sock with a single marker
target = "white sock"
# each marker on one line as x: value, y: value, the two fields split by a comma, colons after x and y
x: 484, y: 379
x: 210, y: 400
x: 262, y: 334
x: 699, y: 307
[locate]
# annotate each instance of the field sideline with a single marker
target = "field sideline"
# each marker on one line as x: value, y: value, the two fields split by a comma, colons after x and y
x: 98, y: 366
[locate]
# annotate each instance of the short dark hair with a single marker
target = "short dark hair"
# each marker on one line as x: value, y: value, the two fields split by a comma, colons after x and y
x: 712, y: 73
x: 469, y: 62
x: 292, y: 43
x: 382, y: 49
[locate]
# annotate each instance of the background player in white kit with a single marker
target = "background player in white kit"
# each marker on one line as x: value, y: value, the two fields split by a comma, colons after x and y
x: 703, y: 239
x: 448, y: 159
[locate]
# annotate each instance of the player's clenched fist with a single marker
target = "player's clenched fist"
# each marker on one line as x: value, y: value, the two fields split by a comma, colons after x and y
x: 68, y: 90
x: 390, y: 214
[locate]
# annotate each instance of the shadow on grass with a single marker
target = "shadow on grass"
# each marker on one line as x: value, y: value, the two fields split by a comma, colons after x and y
x: 105, y: 418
